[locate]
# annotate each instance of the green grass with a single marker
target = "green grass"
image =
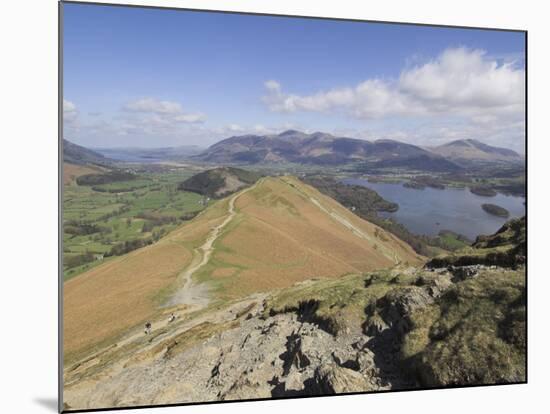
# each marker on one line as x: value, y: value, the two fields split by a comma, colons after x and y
x: 118, y: 213
x: 342, y: 301
x: 474, y: 334
x: 451, y: 241
x: 123, y: 186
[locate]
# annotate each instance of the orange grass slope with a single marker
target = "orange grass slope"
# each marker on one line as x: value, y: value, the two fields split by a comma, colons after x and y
x: 118, y: 294
x: 286, y: 231
x: 283, y: 232
x: 125, y: 291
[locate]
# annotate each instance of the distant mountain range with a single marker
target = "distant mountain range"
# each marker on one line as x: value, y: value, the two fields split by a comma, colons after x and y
x: 325, y: 149
x: 77, y: 154
x: 150, y: 154
x: 320, y: 149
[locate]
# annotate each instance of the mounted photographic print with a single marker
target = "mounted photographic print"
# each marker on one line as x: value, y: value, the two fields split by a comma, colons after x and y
x: 261, y: 206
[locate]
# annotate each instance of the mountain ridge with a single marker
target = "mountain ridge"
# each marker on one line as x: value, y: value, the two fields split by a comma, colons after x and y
x: 283, y: 232
x: 321, y: 148
x: 317, y: 148
x: 79, y: 155
x: 471, y: 150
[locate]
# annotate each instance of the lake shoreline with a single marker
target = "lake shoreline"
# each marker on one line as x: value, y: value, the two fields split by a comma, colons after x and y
x: 427, y: 211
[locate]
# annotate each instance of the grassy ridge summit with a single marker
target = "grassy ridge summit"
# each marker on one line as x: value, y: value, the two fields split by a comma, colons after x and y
x: 277, y: 232
x: 219, y: 182
x: 403, y: 327
x: 286, y: 231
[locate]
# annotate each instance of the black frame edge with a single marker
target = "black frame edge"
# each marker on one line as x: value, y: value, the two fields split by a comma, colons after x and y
x: 295, y: 16
x: 60, y: 207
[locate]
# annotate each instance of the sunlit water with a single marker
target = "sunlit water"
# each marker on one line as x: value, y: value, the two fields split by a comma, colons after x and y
x: 429, y: 211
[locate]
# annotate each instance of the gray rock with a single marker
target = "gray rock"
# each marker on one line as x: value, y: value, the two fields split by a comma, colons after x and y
x: 333, y: 379
x: 258, y: 357
x: 461, y: 273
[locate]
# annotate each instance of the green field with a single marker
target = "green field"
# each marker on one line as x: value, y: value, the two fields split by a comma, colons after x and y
x: 97, y: 218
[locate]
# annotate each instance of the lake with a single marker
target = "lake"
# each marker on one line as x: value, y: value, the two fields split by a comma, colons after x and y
x: 428, y: 211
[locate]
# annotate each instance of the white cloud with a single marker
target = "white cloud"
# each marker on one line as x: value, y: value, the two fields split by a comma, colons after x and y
x: 147, y: 121
x: 462, y: 93
x: 235, y: 128
x: 467, y: 81
x: 68, y: 106
x: 190, y: 118
x: 460, y: 81
x: 70, y: 113
x: 168, y: 110
x: 153, y: 106
x: 272, y: 85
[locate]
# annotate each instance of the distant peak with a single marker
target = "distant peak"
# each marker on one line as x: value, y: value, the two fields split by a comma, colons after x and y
x: 475, y: 145
x: 289, y: 132
x: 321, y: 134
x: 382, y: 140
x: 464, y: 141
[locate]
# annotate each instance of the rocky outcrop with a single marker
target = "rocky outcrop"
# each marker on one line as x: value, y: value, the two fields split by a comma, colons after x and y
x: 510, y: 258
x: 506, y: 248
x: 276, y: 357
x: 513, y: 232
x: 335, y: 379
x: 398, y: 329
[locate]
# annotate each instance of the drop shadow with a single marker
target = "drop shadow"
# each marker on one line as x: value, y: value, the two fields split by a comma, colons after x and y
x: 48, y: 403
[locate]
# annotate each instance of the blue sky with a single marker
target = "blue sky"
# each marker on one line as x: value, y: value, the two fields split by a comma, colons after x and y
x: 152, y: 77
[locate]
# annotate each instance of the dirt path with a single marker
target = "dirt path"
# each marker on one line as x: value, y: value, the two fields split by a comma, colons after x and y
x: 183, y: 323
x: 195, y: 294
x: 191, y: 294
